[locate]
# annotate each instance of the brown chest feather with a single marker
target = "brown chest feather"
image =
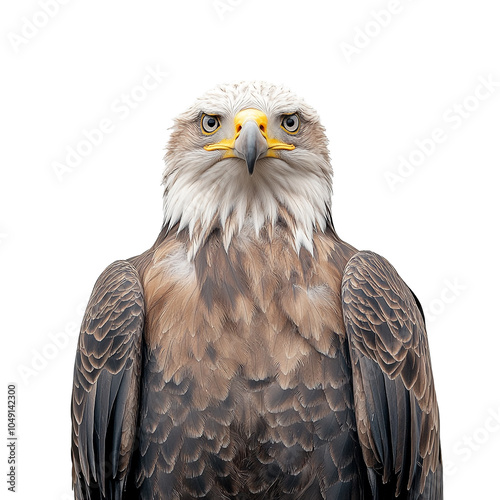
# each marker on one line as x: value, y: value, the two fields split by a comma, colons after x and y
x: 246, y: 365
x: 258, y: 310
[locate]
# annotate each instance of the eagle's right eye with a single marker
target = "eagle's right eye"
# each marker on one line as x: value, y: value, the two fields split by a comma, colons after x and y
x: 209, y: 124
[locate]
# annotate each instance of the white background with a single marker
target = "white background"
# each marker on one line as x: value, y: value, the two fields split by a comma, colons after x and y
x: 438, y: 226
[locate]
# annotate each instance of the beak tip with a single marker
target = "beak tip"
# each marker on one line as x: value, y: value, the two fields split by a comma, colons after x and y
x: 251, y: 160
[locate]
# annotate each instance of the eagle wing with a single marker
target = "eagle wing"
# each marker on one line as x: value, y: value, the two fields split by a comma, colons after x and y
x: 395, y: 402
x: 106, y: 384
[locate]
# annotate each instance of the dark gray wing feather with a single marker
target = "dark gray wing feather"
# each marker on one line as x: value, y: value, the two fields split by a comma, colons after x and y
x: 106, y: 384
x: 396, y: 410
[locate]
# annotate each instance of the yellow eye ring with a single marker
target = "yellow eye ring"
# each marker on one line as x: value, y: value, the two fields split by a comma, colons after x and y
x: 209, y: 124
x: 290, y: 123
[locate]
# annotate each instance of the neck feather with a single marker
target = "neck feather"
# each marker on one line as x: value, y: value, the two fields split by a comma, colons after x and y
x: 225, y: 197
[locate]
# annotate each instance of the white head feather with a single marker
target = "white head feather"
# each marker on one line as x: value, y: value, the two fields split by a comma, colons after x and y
x: 203, y: 191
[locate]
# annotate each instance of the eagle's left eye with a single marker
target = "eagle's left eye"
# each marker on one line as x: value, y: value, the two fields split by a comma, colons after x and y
x: 291, y: 123
x: 209, y: 124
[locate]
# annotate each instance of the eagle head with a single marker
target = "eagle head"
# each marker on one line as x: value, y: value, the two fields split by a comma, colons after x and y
x: 244, y: 156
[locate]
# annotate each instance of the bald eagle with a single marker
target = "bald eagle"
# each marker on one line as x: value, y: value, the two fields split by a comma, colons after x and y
x: 250, y: 353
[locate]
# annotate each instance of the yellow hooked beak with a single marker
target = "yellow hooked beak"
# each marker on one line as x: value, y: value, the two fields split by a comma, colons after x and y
x: 250, y: 141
